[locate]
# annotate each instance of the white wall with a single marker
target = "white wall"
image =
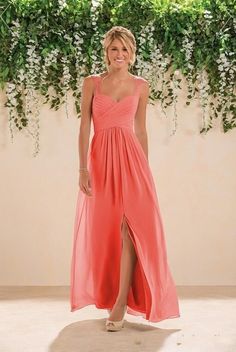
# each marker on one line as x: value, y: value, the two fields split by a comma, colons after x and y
x: 196, y: 185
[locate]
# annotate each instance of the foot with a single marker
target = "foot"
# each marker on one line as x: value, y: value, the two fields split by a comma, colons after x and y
x: 118, y: 311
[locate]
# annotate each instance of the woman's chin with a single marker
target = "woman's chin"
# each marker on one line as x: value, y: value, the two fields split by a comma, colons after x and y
x: 119, y: 66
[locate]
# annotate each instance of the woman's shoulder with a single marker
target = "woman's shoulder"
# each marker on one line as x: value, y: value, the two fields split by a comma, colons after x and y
x: 141, y: 79
x: 91, y: 77
x: 96, y: 76
x: 143, y: 83
x: 91, y: 80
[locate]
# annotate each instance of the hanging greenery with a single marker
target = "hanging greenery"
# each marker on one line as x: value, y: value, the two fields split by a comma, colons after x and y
x: 48, y: 46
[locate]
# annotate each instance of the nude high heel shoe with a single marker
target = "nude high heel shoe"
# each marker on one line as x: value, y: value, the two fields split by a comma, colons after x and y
x: 115, y: 325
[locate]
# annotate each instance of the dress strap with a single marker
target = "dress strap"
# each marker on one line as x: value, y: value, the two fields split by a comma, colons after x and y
x: 99, y: 80
x: 139, y: 82
x: 96, y: 80
x: 137, y: 85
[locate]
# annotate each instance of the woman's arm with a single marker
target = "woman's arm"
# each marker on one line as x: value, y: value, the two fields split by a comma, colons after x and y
x: 140, y: 118
x: 85, y: 123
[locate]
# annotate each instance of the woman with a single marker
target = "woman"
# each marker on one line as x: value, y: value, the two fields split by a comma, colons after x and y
x: 119, y: 257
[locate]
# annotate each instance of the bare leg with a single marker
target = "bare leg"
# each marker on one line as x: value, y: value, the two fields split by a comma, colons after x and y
x: 128, y: 259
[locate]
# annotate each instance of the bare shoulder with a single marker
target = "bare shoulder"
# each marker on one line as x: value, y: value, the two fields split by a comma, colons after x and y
x: 87, y: 89
x: 88, y: 84
x: 144, y: 86
x: 88, y: 80
x: 143, y: 83
x: 91, y: 80
x: 95, y: 76
x: 142, y: 80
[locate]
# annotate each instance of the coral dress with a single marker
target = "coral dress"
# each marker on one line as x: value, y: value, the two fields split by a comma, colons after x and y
x: 122, y: 187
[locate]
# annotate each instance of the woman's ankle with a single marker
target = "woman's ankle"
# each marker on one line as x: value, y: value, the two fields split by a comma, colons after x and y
x: 120, y: 303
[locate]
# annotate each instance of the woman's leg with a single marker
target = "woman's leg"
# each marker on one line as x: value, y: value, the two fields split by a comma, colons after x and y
x: 128, y: 259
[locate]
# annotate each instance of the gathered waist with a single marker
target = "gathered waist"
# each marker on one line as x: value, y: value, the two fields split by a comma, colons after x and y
x: 98, y: 129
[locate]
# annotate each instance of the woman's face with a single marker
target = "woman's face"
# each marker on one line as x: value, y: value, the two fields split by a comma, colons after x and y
x: 118, y: 54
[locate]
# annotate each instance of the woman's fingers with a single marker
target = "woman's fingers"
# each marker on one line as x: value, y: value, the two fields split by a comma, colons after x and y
x: 86, y: 188
x: 85, y: 184
x: 89, y: 187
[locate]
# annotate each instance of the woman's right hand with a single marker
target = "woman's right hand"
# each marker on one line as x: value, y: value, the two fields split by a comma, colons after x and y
x: 85, y: 183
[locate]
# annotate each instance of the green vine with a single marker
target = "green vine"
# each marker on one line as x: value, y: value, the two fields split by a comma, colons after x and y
x: 48, y: 46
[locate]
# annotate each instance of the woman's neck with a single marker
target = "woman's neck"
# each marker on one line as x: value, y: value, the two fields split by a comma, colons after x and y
x: 118, y: 74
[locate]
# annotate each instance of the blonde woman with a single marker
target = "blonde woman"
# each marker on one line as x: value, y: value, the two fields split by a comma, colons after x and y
x: 119, y: 259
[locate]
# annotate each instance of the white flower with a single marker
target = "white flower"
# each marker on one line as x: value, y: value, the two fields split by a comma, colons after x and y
x: 62, y: 4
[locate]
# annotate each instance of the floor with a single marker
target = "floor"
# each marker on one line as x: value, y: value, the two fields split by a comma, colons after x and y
x: 38, y: 319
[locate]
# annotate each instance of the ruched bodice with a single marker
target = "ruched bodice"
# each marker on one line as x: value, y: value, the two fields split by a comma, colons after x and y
x: 106, y: 112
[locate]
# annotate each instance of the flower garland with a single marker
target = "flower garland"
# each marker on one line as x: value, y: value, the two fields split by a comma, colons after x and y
x: 227, y: 71
x: 187, y: 49
x: 33, y: 67
x: 96, y: 39
x: 204, y: 87
x: 37, y: 62
x: 153, y: 66
x: 81, y: 63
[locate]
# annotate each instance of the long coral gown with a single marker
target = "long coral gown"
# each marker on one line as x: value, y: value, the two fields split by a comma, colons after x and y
x: 122, y: 188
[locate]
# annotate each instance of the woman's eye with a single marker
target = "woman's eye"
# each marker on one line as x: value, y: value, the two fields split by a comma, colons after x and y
x: 116, y: 49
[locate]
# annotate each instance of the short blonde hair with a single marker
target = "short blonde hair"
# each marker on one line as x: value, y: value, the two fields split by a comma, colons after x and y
x: 125, y: 36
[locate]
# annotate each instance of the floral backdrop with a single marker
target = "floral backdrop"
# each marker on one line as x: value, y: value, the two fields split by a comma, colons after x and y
x: 48, y: 46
